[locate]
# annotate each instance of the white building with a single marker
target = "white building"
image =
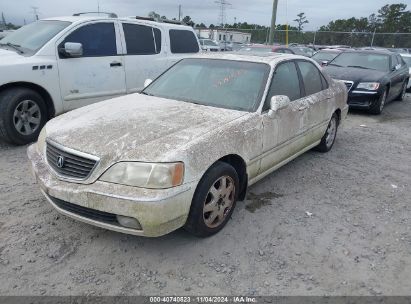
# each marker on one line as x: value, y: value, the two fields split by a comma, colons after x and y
x: 221, y: 35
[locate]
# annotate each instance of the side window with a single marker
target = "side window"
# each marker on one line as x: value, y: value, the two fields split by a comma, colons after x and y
x: 394, y: 61
x: 98, y: 39
x: 141, y: 40
x: 285, y: 82
x: 182, y: 41
x: 311, y: 77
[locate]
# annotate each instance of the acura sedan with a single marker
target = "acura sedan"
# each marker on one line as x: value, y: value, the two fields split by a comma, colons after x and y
x: 183, y: 151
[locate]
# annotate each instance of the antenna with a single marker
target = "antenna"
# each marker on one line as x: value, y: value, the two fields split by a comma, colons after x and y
x: 223, y: 7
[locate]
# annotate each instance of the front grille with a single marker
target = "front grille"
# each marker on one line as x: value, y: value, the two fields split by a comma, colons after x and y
x: 92, y: 214
x: 69, y: 163
x: 348, y: 84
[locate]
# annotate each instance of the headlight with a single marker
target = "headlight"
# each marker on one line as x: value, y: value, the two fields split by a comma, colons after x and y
x: 41, y: 141
x: 371, y: 86
x: 146, y: 175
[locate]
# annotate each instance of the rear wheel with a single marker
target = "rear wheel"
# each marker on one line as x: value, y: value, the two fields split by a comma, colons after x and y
x: 22, y: 115
x: 214, y: 200
x: 379, y: 105
x: 327, y: 142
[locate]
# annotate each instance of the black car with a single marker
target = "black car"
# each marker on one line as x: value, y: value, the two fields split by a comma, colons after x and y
x: 373, y: 78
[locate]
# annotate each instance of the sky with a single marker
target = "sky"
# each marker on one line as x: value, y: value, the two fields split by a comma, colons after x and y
x: 318, y: 12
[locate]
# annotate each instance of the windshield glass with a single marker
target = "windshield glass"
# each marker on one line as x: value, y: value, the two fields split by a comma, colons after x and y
x: 32, y: 37
x: 209, y: 42
x: 324, y: 56
x: 377, y: 62
x: 219, y: 83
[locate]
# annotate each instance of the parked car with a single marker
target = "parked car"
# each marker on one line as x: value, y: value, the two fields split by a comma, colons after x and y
x: 226, y: 46
x: 209, y: 45
x: 55, y: 65
x: 407, y: 59
x: 184, y: 150
x: 262, y: 48
x: 326, y: 55
x: 282, y: 49
x: 373, y: 78
x: 302, y: 50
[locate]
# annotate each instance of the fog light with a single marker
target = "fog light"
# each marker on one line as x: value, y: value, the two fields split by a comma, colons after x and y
x: 129, y: 222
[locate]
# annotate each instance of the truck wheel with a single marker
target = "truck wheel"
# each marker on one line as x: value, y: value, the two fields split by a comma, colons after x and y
x: 214, y: 200
x: 23, y: 113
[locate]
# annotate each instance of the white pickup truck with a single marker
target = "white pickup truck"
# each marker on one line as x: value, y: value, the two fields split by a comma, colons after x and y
x: 55, y: 65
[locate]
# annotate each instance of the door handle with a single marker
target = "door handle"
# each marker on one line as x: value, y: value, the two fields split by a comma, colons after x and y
x: 115, y: 64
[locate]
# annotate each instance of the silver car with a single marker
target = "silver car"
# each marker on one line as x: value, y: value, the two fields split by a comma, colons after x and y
x: 183, y: 151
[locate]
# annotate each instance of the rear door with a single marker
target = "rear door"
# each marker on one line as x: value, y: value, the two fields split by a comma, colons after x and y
x: 183, y: 43
x: 145, y: 54
x: 99, y: 73
x: 317, y: 100
x: 397, y: 78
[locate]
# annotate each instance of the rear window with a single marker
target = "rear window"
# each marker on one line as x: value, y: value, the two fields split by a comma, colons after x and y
x: 182, y: 41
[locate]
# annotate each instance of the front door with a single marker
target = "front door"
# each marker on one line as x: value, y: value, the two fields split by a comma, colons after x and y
x: 283, y: 131
x: 99, y: 73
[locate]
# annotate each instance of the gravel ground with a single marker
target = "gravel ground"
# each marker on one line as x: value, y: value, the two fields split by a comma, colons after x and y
x: 325, y: 224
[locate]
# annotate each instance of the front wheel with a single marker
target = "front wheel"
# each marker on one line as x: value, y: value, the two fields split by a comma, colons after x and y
x: 214, y: 200
x: 327, y: 142
x: 379, y: 105
x: 22, y: 115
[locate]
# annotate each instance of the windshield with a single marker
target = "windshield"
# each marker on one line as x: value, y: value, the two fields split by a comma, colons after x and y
x: 324, y: 56
x: 257, y: 49
x: 218, y: 83
x: 209, y: 42
x: 32, y: 37
x: 377, y: 62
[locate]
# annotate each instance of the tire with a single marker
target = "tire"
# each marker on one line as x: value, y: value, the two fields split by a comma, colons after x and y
x: 23, y: 113
x: 378, y: 106
x: 328, y: 140
x: 401, y: 97
x: 205, y: 206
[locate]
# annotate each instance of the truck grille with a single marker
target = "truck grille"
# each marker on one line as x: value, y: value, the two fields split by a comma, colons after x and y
x: 69, y: 163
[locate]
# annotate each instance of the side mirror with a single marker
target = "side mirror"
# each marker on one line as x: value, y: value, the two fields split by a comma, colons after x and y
x: 278, y: 103
x: 324, y: 63
x: 147, y: 82
x: 72, y: 49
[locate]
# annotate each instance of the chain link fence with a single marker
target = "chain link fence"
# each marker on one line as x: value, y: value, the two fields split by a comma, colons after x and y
x: 353, y: 39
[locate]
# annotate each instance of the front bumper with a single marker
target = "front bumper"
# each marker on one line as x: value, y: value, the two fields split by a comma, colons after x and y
x: 362, y: 99
x: 158, y: 211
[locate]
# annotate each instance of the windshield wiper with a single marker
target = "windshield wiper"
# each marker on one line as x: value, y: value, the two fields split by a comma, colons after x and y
x: 14, y: 46
x: 333, y: 64
x: 359, y: 67
x: 145, y: 93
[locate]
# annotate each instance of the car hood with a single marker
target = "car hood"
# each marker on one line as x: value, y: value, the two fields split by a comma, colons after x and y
x: 354, y: 74
x: 7, y: 55
x: 136, y: 127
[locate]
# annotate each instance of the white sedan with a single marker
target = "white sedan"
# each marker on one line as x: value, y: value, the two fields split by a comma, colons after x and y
x: 183, y: 151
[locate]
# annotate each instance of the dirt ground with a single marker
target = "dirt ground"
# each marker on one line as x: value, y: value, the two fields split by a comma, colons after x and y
x: 325, y: 224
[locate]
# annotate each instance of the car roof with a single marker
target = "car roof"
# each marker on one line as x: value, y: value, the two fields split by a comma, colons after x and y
x: 405, y: 55
x: 376, y: 52
x: 268, y: 58
x: 84, y: 18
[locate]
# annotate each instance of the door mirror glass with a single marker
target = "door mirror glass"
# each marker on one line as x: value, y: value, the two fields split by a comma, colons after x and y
x: 73, y: 49
x: 147, y: 82
x: 278, y: 103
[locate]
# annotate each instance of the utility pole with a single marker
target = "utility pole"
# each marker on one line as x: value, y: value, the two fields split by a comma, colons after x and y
x: 35, y: 12
x: 179, y: 13
x: 3, y: 21
x: 273, y: 20
x: 223, y: 7
x: 98, y: 7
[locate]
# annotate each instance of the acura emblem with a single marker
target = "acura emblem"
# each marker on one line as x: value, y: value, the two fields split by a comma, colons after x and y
x: 60, y: 162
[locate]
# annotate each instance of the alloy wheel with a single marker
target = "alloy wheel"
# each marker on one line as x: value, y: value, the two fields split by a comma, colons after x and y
x: 331, y: 132
x: 27, y: 117
x: 219, y: 201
